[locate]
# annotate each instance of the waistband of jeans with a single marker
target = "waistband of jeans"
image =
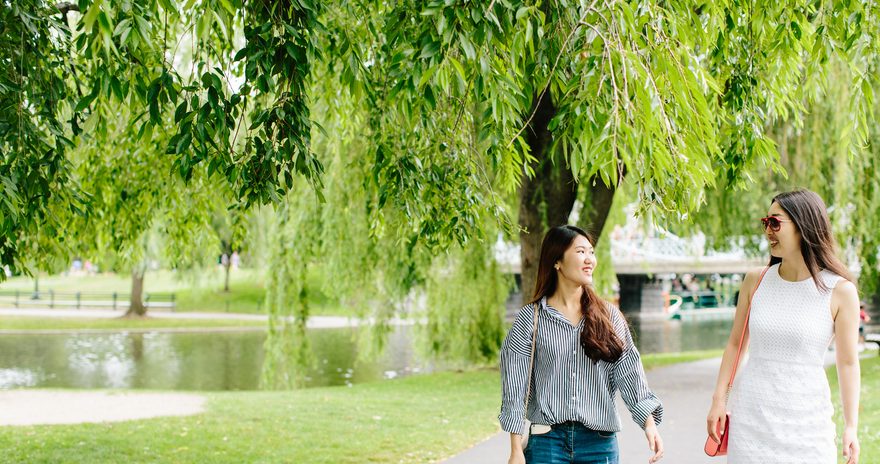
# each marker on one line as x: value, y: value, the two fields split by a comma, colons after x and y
x: 575, y: 424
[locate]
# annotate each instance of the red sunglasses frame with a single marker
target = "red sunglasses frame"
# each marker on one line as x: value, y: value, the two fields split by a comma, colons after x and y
x: 768, y: 222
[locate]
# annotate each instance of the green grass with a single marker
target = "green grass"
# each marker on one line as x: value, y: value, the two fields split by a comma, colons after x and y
x: 202, y: 294
x: 869, y: 420
x: 414, y: 420
x: 26, y: 323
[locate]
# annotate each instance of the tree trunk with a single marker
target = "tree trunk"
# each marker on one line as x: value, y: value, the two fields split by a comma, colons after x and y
x: 136, y: 306
x: 227, y: 264
x: 595, y: 212
x: 546, y: 199
x: 36, y: 294
x: 226, y: 267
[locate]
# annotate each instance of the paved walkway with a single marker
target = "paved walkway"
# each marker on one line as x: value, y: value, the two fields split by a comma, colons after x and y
x: 31, y: 407
x: 686, y: 392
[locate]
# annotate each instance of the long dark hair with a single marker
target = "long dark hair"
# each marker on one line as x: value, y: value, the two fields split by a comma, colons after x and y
x: 809, y: 215
x: 598, y: 338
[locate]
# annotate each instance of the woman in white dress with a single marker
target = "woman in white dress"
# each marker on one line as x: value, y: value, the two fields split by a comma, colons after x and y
x: 780, y: 403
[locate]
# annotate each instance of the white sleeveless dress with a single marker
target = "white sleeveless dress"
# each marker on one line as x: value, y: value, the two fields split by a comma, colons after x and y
x: 780, y: 405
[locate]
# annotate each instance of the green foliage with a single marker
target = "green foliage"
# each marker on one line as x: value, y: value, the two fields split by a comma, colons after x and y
x: 655, y: 89
x: 127, y: 44
x: 287, y: 302
x: 135, y: 215
x: 464, y: 307
x: 825, y: 153
x: 33, y: 140
x: 388, y: 133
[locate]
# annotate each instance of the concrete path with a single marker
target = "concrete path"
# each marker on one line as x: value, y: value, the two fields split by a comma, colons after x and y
x: 686, y: 392
x: 31, y: 407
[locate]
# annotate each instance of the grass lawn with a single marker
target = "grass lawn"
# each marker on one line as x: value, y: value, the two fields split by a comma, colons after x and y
x: 416, y: 419
x: 65, y: 323
x: 653, y: 361
x: 247, y: 290
x: 869, y: 420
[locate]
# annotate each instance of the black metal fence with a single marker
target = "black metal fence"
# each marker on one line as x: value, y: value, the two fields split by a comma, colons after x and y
x: 78, y: 300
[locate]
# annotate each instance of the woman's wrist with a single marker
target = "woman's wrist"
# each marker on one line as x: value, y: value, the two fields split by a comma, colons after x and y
x: 516, y: 442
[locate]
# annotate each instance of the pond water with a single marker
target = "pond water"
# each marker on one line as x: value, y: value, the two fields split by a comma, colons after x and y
x: 233, y: 360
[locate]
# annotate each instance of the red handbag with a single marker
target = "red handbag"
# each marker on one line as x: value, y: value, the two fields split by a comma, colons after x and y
x: 713, y: 448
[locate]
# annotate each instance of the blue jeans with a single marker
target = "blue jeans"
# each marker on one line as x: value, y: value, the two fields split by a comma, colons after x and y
x: 572, y: 443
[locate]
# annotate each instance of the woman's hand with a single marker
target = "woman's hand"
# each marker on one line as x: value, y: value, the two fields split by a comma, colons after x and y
x: 517, y: 457
x: 716, y: 420
x: 850, y: 445
x: 655, y: 443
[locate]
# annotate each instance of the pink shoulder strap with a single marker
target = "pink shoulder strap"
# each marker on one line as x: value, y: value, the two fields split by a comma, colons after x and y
x: 745, y: 327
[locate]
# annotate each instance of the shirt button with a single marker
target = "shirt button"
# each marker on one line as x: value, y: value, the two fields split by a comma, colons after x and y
x: 574, y: 397
x: 574, y: 352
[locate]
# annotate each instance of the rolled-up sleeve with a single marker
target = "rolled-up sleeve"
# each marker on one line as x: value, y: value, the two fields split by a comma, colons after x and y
x: 515, y: 353
x: 629, y: 377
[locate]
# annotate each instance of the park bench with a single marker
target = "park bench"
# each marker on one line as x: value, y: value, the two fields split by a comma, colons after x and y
x: 78, y: 300
x: 873, y: 338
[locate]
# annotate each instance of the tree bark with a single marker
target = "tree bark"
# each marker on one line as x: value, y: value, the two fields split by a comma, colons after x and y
x: 226, y: 282
x: 227, y: 251
x: 546, y: 198
x: 136, y: 306
x: 595, y: 212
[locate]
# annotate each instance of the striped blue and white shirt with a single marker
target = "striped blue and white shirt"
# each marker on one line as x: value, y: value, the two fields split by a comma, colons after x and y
x: 567, y: 385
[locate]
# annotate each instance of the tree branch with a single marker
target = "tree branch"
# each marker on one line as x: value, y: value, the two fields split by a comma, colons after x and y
x: 66, y: 7
x: 550, y: 75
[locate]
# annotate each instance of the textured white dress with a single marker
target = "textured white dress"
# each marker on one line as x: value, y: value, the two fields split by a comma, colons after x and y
x: 780, y: 405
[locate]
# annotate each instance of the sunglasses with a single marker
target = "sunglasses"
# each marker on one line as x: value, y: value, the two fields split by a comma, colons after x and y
x: 773, y: 222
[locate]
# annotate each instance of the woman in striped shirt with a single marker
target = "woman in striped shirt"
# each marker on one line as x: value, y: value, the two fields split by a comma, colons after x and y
x: 583, y: 354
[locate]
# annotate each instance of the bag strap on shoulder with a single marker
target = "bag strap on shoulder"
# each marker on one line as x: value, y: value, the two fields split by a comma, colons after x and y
x: 745, y: 327
x: 531, y: 359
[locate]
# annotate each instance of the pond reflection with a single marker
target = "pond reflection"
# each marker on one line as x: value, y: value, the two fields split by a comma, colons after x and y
x: 233, y: 360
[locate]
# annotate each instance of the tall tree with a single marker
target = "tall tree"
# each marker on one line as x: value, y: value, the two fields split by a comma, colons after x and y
x: 461, y: 111
x: 138, y: 214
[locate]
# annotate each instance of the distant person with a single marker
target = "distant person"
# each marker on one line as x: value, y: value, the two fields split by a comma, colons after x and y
x: 583, y: 353
x: 76, y: 266
x: 676, y: 285
x: 780, y: 404
x: 864, y: 319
